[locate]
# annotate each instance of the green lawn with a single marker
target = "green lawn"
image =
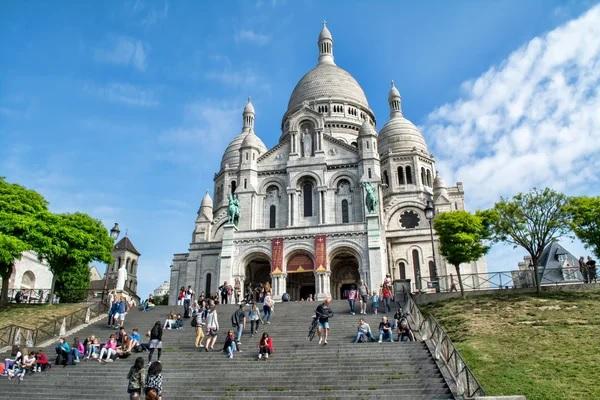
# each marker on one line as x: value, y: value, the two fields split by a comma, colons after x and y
x: 544, y: 347
x: 32, y: 315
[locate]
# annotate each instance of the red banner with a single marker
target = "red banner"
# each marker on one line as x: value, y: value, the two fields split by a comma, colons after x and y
x: 277, y: 256
x: 320, y: 253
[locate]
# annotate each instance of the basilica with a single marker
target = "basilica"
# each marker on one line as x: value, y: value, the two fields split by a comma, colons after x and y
x: 304, y: 225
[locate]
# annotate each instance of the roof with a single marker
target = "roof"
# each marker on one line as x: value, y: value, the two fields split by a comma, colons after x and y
x: 399, y: 134
x: 327, y: 81
x: 125, y: 244
x: 550, y: 266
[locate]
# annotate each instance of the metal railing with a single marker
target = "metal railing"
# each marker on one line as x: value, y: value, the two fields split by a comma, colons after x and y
x: 428, y: 329
x: 21, y: 335
x: 42, y: 296
x: 501, y: 280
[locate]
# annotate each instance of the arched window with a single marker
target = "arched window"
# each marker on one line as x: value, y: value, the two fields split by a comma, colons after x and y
x: 272, y: 216
x: 432, y: 271
x: 28, y: 280
x: 385, y: 178
x: 402, y: 270
x: 423, y: 181
x: 400, y: 176
x: 307, y: 194
x: 369, y: 173
x: 354, y: 144
x: 246, y: 156
x: 345, y: 217
x: 245, y: 183
x: 409, y: 176
x: 429, y: 178
x: 417, y: 268
x: 233, y: 186
x: 208, y: 284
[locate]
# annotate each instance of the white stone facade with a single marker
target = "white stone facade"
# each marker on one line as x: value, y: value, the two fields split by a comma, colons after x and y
x: 30, y: 273
x: 307, y: 191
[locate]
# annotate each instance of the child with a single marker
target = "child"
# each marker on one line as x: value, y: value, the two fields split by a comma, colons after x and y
x: 42, y: 362
x: 17, y: 371
x: 265, y: 346
x: 230, y: 346
x: 375, y: 302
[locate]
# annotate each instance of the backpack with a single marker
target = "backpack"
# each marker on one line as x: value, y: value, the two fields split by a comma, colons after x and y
x: 194, y: 321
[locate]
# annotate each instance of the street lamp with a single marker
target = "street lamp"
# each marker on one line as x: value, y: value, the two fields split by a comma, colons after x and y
x: 114, y: 234
x: 429, y: 214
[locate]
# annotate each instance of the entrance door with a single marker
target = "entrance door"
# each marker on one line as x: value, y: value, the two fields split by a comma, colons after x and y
x: 344, y: 274
x: 258, y: 274
x: 300, y: 285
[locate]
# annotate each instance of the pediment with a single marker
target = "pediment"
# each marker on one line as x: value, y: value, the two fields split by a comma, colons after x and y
x: 336, y: 149
x: 279, y: 154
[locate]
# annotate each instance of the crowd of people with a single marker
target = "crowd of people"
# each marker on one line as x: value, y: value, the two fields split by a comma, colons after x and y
x: 22, y: 362
x: 588, y: 269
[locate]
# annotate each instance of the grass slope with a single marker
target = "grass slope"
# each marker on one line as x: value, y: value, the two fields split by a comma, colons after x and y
x: 33, y: 315
x: 545, y: 347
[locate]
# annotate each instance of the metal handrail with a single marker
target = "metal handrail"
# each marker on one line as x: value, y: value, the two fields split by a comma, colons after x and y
x: 15, y: 333
x: 431, y: 331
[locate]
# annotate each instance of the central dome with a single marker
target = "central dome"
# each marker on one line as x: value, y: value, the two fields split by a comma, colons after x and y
x: 327, y: 81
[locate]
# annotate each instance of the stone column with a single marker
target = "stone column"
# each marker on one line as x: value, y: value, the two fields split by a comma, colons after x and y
x: 319, y: 142
x: 291, y: 200
x: 227, y: 254
x: 322, y: 286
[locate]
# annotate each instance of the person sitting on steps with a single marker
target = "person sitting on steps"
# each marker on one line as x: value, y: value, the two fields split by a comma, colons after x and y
x: 363, y: 332
x: 385, y: 330
x: 265, y: 346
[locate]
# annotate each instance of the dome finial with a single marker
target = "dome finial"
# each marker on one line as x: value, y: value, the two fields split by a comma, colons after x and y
x: 248, y: 116
x: 395, y: 101
x: 325, y: 45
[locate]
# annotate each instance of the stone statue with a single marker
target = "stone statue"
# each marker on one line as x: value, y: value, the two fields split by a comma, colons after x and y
x: 307, y: 143
x: 233, y: 209
x: 371, y: 197
x: 121, y: 278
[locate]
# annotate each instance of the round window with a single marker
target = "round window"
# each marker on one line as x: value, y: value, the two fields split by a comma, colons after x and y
x: 409, y: 219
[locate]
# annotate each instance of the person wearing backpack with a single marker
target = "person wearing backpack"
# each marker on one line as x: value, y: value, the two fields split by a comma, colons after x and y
x: 136, y: 379
x: 254, y: 317
x: 238, y: 321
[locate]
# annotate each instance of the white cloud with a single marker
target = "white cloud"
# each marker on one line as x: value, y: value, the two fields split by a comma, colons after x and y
x: 207, y: 127
x: 250, y: 36
x: 533, y: 120
x: 124, y: 51
x: 124, y: 93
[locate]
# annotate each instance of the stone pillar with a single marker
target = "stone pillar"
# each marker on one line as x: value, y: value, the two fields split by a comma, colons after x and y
x: 319, y: 142
x: 322, y: 286
x: 278, y: 284
x: 291, y: 198
x: 322, y: 205
x: 377, y: 260
x: 227, y: 254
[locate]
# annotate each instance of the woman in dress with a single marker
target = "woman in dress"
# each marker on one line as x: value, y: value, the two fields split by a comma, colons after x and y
x: 212, y: 326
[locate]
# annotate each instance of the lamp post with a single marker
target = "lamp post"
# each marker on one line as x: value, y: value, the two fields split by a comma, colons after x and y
x: 114, y: 234
x: 429, y: 214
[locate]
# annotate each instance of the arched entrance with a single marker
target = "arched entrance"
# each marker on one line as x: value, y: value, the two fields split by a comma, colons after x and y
x: 344, y: 273
x: 257, y: 273
x: 28, y: 280
x: 301, y: 278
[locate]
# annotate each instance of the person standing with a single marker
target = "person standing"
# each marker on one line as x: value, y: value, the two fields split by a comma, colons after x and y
x: 237, y: 290
x: 153, y: 385
x: 155, y: 341
x: 375, y: 302
x: 386, y: 293
x: 238, y: 321
x: 181, y: 296
x: 352, y: 295
x: 187, y: 301
x: 591, y: 264
x: 363, y: 291
x: 136, y: 379
x: 254, y: 317
x: 212, y: 326
x: 200, y: 323
x: 323, y: 313
x: 268, y: 306
x: 583, y: 268
x: 223, y: 290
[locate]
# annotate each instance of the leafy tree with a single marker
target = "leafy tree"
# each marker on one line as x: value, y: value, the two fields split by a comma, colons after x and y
x: 461, y: 236
x: 19, y: 210
x: 71, y: 242
x: 532, y: 221
x: 72, y: 285
x: 584, y: 216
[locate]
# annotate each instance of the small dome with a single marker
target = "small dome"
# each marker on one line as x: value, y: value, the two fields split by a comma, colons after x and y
x: 325, y: 34
x: 438, y: 182
x: 206, y: 201
x: 249, y: 107
x: 327, y: 81
x: 367, y: 129
x: 394, y: 93
x: 399, y: 134
x: 231, y: 156
x: 251, y: 140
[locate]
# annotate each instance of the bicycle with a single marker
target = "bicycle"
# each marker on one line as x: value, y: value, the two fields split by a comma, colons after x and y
x: 313, y: 328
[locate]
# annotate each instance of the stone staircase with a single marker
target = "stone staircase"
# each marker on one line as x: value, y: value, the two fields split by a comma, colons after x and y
x: 298, y: 368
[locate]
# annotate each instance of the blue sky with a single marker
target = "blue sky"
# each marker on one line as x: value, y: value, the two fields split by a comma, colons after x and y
x: 122, y: 108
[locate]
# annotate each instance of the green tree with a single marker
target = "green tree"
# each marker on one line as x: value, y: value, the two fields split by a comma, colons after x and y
x: 19, y: 210
x: 532, y: 221
x: 71, y: 242
x: 584, y: 216
x: 461, y: 235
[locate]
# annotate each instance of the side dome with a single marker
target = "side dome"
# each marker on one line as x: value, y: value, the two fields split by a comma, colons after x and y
x: 399, y: 134
x: 231, y: 156
x: 327, y: 81
x: 252, y: 140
